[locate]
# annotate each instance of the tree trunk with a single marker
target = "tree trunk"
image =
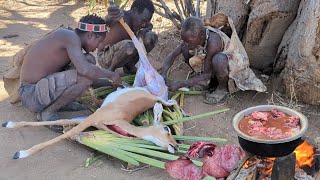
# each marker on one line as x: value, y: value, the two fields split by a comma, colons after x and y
x: 282, y: 33
x: 237, y: 10
x: 268, y: 21
x: 299, y: 54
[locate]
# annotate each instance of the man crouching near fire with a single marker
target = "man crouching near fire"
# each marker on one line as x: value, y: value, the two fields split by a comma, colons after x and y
x: 45, y: 87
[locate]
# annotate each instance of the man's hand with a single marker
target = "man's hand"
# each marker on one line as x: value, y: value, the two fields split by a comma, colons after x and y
x: 142, y: 32
x: 116, y: 80
x: 114, y: 12
x: 174, y: 86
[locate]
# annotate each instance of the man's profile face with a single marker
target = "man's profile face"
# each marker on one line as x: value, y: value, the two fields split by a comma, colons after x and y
x: 191, y: 39
x: 93, y: 41
x: 141, y: 19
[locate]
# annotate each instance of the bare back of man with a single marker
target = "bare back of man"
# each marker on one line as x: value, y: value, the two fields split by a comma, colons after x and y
x: 47, y: 56
x: 45, y: 86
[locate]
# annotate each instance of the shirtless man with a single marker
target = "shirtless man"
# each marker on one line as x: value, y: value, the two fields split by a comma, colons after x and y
x: 214, y: 72
x: 117, y: 49
x: 45, y: 87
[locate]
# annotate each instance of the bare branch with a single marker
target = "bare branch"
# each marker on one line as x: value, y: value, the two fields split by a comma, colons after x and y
x: 169, y: 14
x: 198, y: 9
x: 179, y: 10
x: 183, y: 9
x: 158, y: 5
x: 161, y: 14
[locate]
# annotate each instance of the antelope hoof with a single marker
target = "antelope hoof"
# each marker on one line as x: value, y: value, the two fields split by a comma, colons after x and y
x: 16, y: 155
x: 8, y: 124
x: 20, y: 154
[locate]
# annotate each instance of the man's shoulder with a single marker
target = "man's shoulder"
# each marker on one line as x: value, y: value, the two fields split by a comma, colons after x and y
x: 66, y: 33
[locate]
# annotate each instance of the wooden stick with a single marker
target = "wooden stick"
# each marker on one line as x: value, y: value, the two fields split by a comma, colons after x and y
x: 127, y: 28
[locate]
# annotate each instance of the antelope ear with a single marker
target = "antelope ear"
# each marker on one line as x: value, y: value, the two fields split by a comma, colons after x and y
x: 157, y: 112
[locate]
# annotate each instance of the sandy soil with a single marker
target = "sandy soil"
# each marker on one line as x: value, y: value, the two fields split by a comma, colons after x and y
x: 65, y: 160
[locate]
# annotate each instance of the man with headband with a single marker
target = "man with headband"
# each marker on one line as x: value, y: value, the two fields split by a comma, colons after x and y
x: 117, y: 49
x: 44, y: 86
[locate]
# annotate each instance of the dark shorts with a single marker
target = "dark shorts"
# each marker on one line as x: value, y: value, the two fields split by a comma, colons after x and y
x: 36, y: 97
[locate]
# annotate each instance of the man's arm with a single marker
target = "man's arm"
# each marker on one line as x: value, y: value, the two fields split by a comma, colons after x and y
x: 169, y: 61
x: 83, y: 67
x: 109, y: 20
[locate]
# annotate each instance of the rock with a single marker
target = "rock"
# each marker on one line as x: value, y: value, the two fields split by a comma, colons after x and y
x: 268, y: 21
x: 299, y: 54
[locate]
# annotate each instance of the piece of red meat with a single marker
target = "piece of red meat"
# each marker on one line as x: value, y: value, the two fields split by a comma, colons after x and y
x: 200, y: 149
x: 292, y: 122
x: 258, y: 115
x: 253, y: 124
x: 223, y: 161
x: 277, y: 114
x: 183, y: 169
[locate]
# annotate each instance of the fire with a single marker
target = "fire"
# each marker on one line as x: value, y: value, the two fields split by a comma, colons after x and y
x: 304, y: 157
x: 263, y: 164
x: 304, y: 154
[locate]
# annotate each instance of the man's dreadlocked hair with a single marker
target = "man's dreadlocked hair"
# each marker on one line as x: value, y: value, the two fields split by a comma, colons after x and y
x: 91, y: 19
x: 193, y: 24
x: 143, y: 4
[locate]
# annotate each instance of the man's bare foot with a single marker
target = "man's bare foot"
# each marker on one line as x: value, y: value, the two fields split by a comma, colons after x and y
x: 216, y: 96
x: 73, y: 106
x: 50, y: 117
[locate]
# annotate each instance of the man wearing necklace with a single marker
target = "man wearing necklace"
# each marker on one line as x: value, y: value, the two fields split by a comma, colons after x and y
x: 220, y: 63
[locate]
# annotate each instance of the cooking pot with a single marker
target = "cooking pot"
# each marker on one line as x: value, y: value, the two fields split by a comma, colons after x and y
x: 269, y: 148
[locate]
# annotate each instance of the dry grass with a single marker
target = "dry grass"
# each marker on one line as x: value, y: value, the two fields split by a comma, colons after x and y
x: 291, y: 101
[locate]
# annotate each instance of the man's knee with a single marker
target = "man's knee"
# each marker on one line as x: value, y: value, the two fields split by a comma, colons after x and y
x: 220, y: 64
x: 90, y: 58
x: 129, y: 48
x: 220, y: 59
x: 150, y: 39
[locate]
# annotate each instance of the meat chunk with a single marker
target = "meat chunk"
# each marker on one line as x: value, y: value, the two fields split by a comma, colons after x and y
x: 223, y: 161
x: 292, y: 122
x: 201, y: 149
x: 277, y: 114
x: 183, y: 169
x: 258, y: 115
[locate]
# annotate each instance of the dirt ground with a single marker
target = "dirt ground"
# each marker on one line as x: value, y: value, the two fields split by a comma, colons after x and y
x: 65, y: 160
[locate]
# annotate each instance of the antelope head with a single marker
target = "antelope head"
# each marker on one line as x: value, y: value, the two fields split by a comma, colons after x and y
x: 160, y: 134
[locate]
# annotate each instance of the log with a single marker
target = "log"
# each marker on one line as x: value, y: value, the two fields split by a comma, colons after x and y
x: 298, y: 57
x: 268, y: 21
x: 284, y: 167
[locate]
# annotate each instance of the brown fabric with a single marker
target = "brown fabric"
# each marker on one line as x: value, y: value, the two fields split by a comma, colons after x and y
x: 12, y: 78
x: 240, y: 75
x: 38, y: 96
x: 105, y: 56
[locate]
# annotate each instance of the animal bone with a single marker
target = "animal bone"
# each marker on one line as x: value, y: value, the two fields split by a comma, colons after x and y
x: 115, y: 115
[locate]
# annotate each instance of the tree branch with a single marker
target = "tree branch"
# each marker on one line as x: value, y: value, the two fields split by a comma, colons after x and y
x: 169, y: 14
x: 161, y: 14
x: 179, y: 10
